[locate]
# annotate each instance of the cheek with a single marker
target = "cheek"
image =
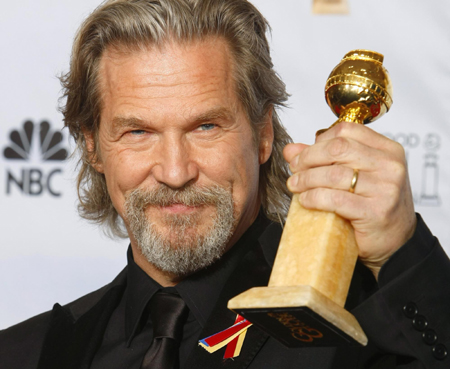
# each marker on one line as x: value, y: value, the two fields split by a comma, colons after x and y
x: 123, y: 173
x: 241, y: 170
x: 236, y: 163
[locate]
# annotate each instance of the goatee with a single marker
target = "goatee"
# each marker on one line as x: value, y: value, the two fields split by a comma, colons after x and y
x: 181, y: 249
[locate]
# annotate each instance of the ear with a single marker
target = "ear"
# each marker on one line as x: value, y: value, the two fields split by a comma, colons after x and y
x: 94, y: 158
x: 266, y: 137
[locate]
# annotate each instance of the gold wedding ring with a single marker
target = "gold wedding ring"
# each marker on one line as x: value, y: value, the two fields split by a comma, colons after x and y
x: 354, y: 181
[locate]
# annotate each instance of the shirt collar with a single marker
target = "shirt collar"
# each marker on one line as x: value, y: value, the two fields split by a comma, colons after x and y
x: 200, y: 291
x: 140, y: 289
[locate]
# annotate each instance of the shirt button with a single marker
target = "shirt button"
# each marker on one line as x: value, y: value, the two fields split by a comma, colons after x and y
x: 410, y: 310
x: 419, y: 323
x: 429, y: 337
x: 440, y: 351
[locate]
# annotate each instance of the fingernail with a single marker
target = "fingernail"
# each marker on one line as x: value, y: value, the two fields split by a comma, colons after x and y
x: 293, y: 181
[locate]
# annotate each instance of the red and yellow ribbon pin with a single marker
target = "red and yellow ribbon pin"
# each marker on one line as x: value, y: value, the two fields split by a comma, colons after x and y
x: 233, y: 337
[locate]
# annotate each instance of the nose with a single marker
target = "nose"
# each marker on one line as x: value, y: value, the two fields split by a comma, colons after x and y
x: 175, y: 166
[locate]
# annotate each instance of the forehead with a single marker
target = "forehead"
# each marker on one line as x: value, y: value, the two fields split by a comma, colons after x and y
x: 174, y: 73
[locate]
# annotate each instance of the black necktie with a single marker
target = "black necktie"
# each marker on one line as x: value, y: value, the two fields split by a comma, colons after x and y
x: 168, y: 313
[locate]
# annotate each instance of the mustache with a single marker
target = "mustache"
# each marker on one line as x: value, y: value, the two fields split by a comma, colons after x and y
x: 163, y: 195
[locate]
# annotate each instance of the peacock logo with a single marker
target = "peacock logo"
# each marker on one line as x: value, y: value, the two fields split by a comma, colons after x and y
x: 38, y: 146
x: 22, y: 142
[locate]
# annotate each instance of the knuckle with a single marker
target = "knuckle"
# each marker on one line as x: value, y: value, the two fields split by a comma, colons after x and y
x: 398, y: 171
x: 344, y: 128
x: 307, y: 179
x: 311, y: 196
x: 336, y: 174
x: 337, y: 199
x: 305, y: 199
x: 314, y: 198
x: 338, y: 147
x: 398, y: 150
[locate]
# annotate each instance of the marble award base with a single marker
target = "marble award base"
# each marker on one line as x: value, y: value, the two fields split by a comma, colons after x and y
x: 299, y: 316
x: 303, y: 304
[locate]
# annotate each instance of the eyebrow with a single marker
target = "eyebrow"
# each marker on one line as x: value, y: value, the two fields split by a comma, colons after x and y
x: 121, y: 122
x: 214, y: 114
x: 129, y: 122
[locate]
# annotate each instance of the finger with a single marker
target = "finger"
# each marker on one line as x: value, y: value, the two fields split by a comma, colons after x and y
x: 358, y: 132
x: 349, y: 206
x: 342, y: 151
x: 336, y: 177
x: 292, y: 150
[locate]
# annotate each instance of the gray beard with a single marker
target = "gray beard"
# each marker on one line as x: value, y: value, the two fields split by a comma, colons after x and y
x: 182, y: 251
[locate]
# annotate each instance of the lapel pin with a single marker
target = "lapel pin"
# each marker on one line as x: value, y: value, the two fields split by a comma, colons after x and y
x: 232, y: 337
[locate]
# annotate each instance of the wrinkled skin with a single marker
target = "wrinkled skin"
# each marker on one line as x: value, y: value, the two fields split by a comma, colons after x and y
x: 171, y: 116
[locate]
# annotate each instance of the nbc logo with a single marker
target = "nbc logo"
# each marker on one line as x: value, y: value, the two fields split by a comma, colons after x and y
x: 37, y: 146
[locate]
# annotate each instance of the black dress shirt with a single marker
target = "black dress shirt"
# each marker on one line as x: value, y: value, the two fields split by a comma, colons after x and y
x: 129, y: 333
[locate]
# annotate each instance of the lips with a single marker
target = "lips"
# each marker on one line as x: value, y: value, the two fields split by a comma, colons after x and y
x: 179, y: 208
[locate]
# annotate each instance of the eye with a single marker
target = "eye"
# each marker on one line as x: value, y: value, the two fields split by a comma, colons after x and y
x: 137, y: 132
x: 207, y: 126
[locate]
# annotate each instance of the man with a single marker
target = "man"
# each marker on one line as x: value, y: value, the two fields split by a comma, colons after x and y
x: 173, y: 107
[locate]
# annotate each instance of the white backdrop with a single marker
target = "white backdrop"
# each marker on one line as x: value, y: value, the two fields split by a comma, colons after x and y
x: 48, y: 254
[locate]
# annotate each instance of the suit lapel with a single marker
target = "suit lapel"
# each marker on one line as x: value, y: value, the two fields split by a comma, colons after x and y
x: 71, y: 343
x: 252, y: 271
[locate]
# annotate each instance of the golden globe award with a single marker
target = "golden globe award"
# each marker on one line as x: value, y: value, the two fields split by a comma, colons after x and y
x: 303, y: 305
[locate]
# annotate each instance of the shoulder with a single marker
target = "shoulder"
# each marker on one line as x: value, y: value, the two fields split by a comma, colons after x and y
x: 21, y: 344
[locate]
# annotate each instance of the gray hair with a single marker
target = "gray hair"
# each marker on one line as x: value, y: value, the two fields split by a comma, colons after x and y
x: 134, y: 24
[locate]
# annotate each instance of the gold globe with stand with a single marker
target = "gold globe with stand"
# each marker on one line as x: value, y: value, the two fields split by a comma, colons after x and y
x: 303, y: 305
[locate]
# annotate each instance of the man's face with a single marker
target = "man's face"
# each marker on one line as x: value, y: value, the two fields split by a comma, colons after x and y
x: 171, y: 121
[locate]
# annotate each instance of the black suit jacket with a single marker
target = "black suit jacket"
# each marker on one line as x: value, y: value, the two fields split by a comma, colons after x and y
x: 68, y: 337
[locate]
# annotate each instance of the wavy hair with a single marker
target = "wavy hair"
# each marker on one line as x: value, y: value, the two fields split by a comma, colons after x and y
x: 135, y: 24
